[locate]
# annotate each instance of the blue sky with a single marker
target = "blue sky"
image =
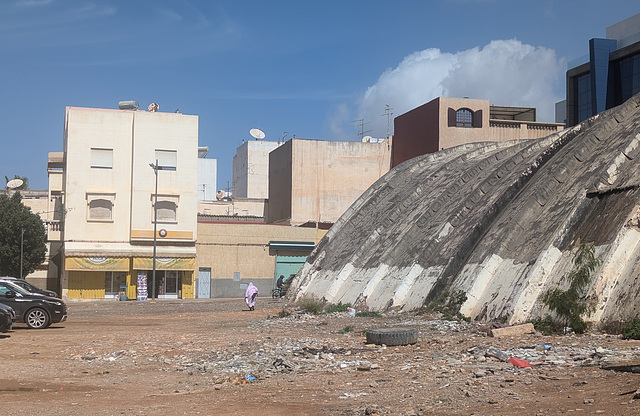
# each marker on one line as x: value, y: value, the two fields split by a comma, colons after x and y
x: 303, y: 68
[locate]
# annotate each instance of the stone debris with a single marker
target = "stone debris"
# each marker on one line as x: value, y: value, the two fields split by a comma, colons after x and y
x: 268, y: 357
x: 514, y: 330
x: 457, y: 359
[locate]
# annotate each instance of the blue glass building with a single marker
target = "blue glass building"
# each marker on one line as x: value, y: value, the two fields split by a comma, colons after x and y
x: 608, y: 76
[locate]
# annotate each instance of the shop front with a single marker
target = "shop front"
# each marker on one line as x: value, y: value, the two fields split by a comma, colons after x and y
x: 173, y: 278
x: 97, y: 277
x: 111, y: 277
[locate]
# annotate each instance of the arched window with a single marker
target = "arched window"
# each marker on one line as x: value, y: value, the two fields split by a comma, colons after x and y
x: 464, y: 118
x: 100, y: 209
x: 167, y: 211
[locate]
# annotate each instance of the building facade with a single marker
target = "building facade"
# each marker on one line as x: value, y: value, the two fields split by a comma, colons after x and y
x: 608, y: 76
x: 251, y: 169
x: 120, y: 170
x: 233, y: 251
x: 448, y: 122
x: 207, y: 175
x: 313, y: 182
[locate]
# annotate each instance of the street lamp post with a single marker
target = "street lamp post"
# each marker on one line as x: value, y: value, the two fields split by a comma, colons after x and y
x: 155, y: 168
x: 21, y: 250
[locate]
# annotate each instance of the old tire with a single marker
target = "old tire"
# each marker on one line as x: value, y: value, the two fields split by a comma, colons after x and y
x: 392, y: 336
x: 37, y: 318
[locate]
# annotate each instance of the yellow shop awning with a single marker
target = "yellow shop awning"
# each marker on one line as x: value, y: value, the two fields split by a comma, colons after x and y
x: 164, y: 263
x: 114, y: 264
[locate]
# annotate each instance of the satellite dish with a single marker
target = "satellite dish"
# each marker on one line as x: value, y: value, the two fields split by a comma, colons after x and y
x: 257, y: 134
x: 153, y: 107
x: 367, y: 139
x: 15, y: 183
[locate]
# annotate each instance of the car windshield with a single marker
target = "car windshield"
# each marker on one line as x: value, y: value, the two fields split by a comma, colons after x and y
x: 15, y: 288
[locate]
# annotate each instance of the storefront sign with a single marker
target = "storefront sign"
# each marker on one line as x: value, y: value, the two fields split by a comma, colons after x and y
x: 163, y: 263
x: 114, y: 264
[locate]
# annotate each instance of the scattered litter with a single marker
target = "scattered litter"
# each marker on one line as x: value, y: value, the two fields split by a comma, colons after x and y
x: 519, y: 363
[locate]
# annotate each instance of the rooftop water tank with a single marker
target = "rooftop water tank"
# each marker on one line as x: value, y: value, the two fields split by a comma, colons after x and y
x: 128, y: 105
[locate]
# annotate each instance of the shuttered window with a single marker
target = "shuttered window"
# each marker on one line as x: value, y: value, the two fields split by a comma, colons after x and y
x: 101, y: 158
x: 167, y: 208
x: 100, y: 207
x: 167, y: 159
x: 166, y: 211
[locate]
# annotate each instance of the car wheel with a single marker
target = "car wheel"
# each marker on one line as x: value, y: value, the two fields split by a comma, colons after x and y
x: 37, y: 318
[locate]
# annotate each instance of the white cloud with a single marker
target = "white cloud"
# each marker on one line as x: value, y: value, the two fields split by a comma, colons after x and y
x: 506, y: 72
x: 32, y: 3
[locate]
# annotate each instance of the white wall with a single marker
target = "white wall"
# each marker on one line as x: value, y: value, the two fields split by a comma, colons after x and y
x: 207, y: 178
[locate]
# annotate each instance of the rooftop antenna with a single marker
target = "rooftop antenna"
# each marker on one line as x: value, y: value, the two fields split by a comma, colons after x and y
x: 361, y: 131
x: 388, y: 112
x: 284, y: 136
x: 257, y: 134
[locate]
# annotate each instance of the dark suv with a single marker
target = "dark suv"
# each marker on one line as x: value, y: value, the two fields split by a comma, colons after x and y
x: 29, y: 287
x: 37, y: 311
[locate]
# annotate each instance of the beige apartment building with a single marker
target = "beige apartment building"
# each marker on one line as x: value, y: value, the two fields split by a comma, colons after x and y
x: 251, y: 169
x: 313, y: 182
x: 104, y: 189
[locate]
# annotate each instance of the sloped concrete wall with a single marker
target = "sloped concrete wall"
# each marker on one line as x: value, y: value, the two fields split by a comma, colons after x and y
x: 500, y: 221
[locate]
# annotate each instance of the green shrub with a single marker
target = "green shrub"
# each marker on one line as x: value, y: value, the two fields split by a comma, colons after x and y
x: 367, y: 314
x: 337, y: 307
x: 547, y: 325
x: 310, y: 305
x: 570, y: 305
x: 449, y: 305
x: 631, y: 330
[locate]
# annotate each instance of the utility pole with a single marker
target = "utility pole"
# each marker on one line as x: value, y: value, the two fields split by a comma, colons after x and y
x: 155, y: 168
x: 21, y: 249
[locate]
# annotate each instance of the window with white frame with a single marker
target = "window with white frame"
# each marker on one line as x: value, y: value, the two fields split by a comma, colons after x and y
x: 167, y: 159
x: 101, y: 158
x: 100, y: 207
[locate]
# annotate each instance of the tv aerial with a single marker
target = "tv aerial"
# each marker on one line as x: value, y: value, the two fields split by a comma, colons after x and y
x: 257, y: 134
x: 14, y: 183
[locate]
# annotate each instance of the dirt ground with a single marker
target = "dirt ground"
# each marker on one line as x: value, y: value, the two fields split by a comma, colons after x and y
x: 213, y: 357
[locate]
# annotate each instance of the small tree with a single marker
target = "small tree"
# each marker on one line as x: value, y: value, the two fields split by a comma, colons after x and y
x: 15, y: 217
x: 571, y: 304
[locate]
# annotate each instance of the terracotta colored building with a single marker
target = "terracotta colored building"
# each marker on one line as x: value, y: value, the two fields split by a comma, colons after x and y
x: 448, y: 122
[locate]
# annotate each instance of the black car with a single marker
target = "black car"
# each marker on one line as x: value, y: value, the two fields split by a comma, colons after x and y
x: 7, y: 317
x: 29, y: 287
x: 37, y: 311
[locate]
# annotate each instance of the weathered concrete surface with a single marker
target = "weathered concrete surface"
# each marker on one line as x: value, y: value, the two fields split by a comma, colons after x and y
x: 500, y: 221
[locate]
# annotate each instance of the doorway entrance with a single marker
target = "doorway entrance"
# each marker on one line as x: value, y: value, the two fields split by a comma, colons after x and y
x: 112, y: 283
x: 168, y: 284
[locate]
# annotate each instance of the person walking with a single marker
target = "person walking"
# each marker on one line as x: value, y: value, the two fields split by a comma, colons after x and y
x: 250, y: 296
